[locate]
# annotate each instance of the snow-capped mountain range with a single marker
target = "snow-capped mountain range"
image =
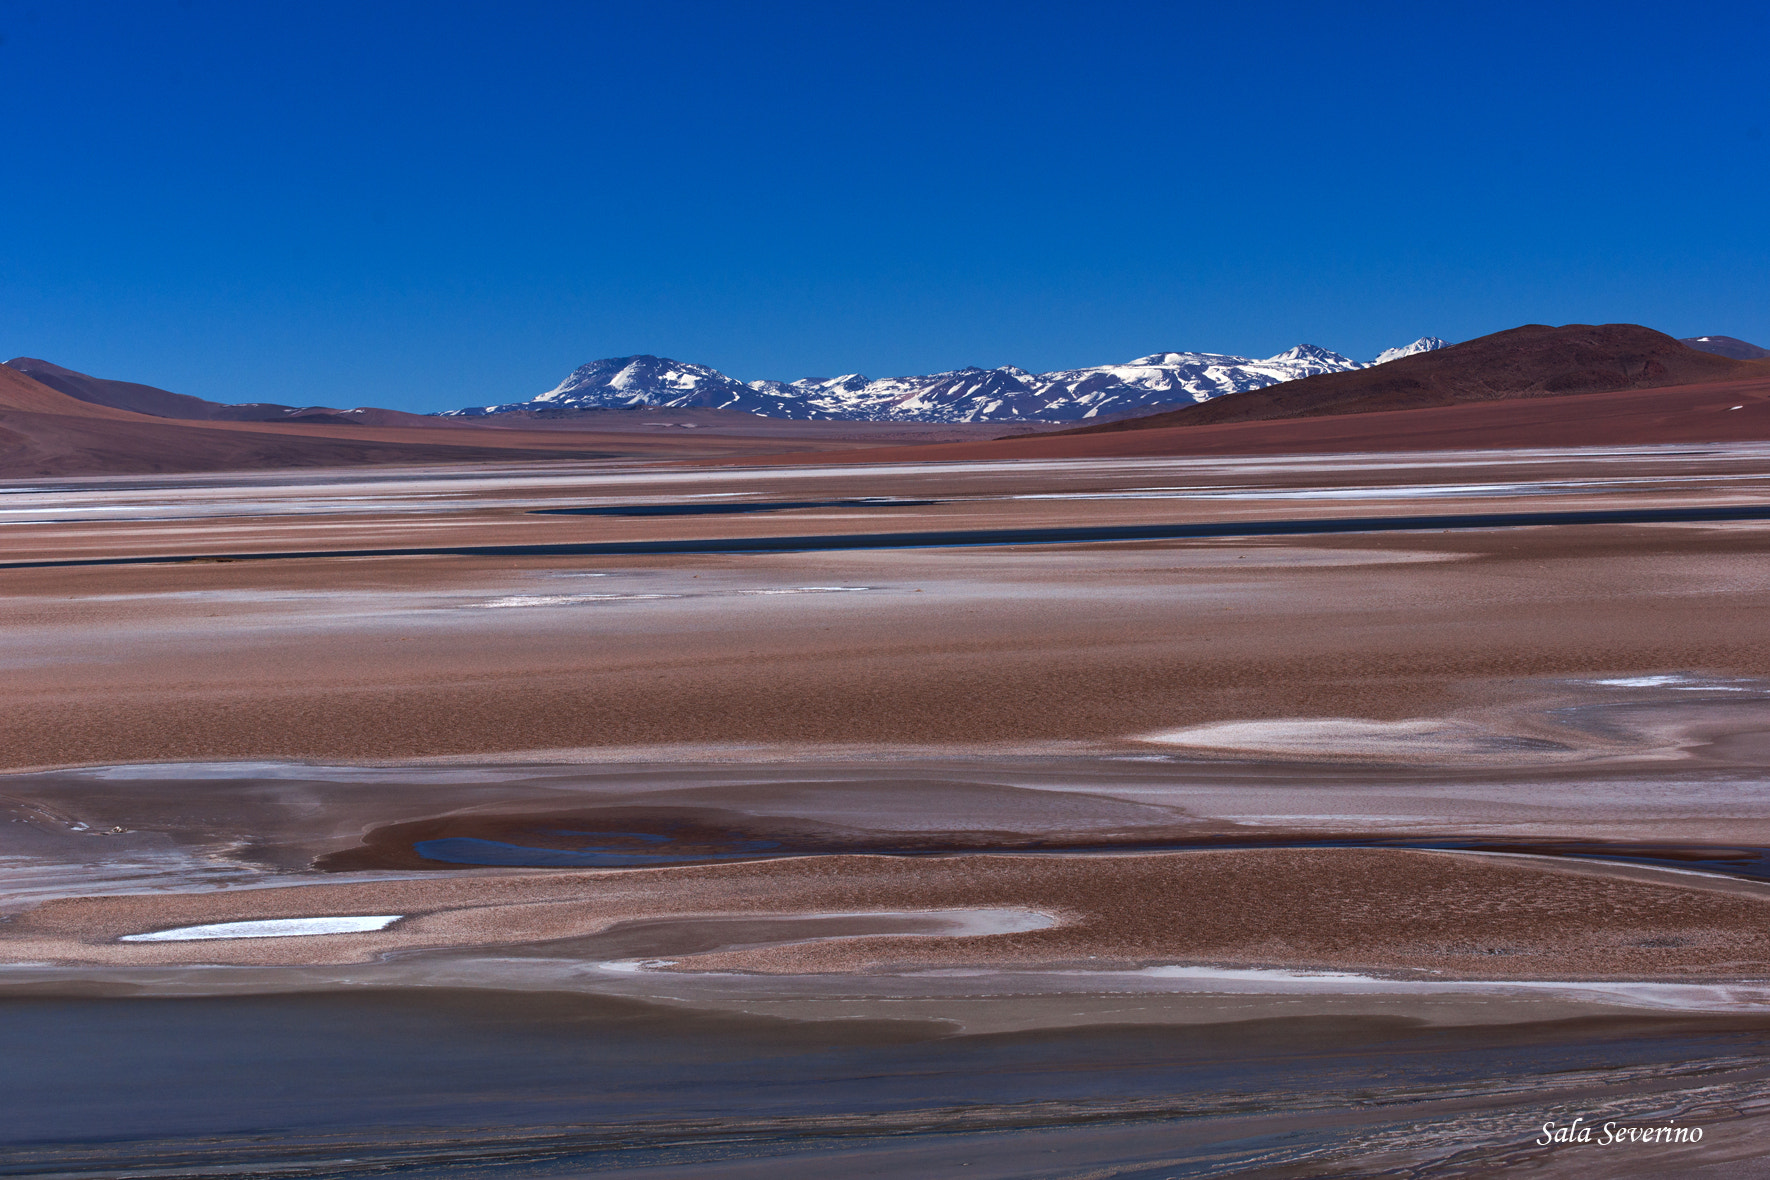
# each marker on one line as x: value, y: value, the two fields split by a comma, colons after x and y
x: 1006, y: 394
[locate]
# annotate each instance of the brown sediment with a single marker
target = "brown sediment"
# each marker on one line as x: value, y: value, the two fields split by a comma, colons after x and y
x: 1087, y: 649
x: 399, y: 659
x: 1351, y: 909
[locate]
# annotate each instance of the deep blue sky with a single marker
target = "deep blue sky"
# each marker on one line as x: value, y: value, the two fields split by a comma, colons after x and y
x: 426, y: 205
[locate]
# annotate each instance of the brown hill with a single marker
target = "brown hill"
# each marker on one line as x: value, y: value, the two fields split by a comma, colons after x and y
x: 163, y: 403
x: 120, y: 395
x: 22, y: 394
x: 1534, y: 361
x: 44, y: 432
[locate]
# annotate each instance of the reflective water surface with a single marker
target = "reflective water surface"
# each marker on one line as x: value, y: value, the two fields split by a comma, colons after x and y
x: 440, y: 1083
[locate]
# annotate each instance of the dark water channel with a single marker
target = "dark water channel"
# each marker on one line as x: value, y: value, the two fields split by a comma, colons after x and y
x: 456, y: 1083
x: 961, y: 538
x: 643, y: 837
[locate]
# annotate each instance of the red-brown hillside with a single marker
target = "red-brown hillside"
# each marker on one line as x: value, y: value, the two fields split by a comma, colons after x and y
x: 1530, y: 362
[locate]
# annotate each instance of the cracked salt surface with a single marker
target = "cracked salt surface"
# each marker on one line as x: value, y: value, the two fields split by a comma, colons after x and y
x: 270, y: 928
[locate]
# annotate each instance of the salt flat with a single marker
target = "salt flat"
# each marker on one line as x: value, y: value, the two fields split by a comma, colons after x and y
x: 1492, y: 777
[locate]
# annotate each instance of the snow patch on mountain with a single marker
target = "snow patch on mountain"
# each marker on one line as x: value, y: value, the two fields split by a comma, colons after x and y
x: 1005, y: 394
x: 1423, y: 344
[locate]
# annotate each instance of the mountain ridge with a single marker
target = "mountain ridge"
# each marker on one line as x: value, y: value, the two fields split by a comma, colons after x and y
x: 971, y: 394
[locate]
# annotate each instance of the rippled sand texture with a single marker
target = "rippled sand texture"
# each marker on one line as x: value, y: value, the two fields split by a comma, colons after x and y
x: 1506, y: 778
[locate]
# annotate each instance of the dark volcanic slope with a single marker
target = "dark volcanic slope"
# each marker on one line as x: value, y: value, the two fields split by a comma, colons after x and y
x: 1529, y: 362
x: 1731, y: 346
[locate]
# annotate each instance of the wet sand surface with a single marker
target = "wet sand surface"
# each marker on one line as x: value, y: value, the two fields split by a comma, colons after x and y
x: 835, y: 804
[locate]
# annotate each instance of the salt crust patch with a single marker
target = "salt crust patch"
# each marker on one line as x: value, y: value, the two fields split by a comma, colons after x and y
x: 270, y: 928
x: 1741, y: 997
x: 1374, y: 491
x: 1677, y: 683
x: 369, y: 773
x: 1731, y: 997
x: 577, y: 599
x: 1333, y: 735
x: 1202, y: 980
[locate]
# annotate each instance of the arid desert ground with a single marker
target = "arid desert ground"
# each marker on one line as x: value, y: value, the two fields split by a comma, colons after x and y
x: 1410, y: 839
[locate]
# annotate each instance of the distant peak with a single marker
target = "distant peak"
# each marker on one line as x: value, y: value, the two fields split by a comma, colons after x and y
x: 1423, y: 344
x: 1727, y: 346
x: 1170, y: 358
x: 1311, y: 352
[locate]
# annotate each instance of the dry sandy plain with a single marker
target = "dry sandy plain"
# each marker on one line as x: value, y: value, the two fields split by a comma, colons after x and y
x: 1467, y: 779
